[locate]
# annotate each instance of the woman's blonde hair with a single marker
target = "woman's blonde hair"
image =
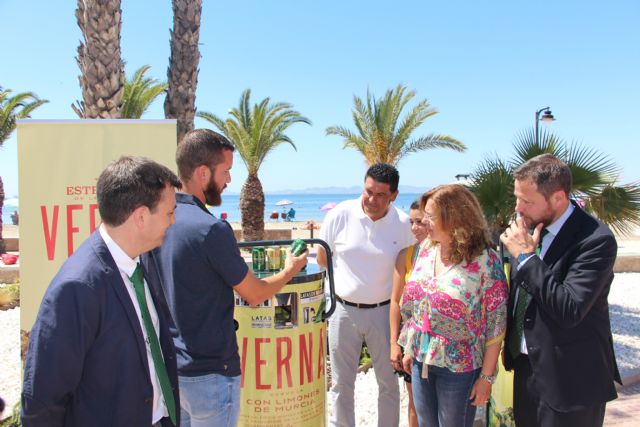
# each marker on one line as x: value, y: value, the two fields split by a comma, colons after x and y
x: 461, y: 217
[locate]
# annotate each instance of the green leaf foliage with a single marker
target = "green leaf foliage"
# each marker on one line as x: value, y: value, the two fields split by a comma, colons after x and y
x: 139, y: 93
x: 594, y: 182
x: 255, y: 131
x: 492, y: 184
x: 382, y: 137
x: 12, y: 108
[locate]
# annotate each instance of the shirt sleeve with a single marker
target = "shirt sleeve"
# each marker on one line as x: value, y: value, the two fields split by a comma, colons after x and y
x: 224, y: 254
x: 327, y: 229
x: 494, y: 300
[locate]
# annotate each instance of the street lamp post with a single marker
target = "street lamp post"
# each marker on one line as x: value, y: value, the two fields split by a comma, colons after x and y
x: 547, y: 117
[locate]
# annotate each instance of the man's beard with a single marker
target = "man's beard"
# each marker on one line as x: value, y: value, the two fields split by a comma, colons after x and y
x: 546, y: 220
x: 212, y: 195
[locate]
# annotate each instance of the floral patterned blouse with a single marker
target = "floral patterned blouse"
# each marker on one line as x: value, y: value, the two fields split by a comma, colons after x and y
x: 454, y: 316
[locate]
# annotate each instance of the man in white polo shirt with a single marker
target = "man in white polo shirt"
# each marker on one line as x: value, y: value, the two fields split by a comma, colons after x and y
x: 365, y: 236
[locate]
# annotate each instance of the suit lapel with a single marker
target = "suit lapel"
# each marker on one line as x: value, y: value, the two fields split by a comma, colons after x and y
x: 155, y: 289
x: 565, y: 238
x: 118, y: 285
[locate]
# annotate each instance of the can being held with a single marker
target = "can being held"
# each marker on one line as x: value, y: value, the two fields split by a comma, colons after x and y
x: 298, y: 247
x: 258, y: 259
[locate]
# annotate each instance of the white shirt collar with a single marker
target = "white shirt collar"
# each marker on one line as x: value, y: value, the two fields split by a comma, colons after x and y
x: 362, y: 214
x: 555, y: 227
x: 124, y: 263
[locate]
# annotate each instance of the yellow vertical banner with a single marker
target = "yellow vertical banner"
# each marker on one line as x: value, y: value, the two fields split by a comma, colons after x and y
x: 282, y: 345
x: 58, y: 166
x: 500, y: 407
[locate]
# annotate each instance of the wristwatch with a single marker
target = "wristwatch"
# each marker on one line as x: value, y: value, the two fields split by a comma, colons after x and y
x: 524, y: 256
x: 488, y: 378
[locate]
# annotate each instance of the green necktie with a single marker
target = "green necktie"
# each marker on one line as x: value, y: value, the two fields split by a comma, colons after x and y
x: 137, y: 278
x: 524, y: 297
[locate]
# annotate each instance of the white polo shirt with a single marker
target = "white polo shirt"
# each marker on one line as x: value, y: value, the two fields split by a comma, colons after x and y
x: 364, y: 251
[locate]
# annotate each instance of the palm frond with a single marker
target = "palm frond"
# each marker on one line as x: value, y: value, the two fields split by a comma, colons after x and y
x: 12, y: 108
x: 213, y: 119
x: 379, y: 138
x: 618, y: 206
x: 492, y: 183
x: 433, y: 141
x: 139, y: 93
x: 526, y: 147
x: 589, y: 168
x: 594, y: 180
x: 412, y: 121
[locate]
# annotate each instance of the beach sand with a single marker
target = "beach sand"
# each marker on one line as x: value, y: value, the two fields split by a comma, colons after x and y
x: 298, y: 228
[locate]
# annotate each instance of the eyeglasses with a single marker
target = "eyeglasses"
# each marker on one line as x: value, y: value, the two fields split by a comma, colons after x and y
x: 429, y: 217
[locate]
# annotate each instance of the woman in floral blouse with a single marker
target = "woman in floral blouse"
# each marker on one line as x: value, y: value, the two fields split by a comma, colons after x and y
x: 456, y: 296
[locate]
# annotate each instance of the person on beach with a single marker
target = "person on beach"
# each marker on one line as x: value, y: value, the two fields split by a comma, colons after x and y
x: 100, y: 352
x: 201, y: 267
x: 456, y: 302
x: 404, y: 265
x: 365, y: 236
x: 559, y: 341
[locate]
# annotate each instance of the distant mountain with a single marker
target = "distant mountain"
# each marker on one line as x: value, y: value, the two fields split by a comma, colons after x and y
x: 343, y: 190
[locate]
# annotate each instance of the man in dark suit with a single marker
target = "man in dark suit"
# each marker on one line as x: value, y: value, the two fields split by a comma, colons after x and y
x: 559, y: 341
x: 100, y: 351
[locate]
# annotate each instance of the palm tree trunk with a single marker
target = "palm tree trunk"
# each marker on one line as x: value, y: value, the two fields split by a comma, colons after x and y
x: 182, y: 74
x: 252, y: 209
x: 99, y: 58
x: 2, y: 245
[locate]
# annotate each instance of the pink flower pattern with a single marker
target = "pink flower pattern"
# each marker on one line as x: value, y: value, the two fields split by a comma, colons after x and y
x: 452, y: 316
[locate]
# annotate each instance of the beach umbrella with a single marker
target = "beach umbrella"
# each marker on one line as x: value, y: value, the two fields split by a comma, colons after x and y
x: 284, y: 202
x: 328, y: 206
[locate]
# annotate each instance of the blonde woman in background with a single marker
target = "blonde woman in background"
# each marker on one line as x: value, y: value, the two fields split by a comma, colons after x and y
x: 404, y: 265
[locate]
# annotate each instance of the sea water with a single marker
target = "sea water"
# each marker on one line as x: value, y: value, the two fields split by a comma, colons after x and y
x: 307, y: 206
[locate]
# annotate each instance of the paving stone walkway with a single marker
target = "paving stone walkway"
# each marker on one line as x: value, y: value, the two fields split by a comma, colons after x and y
x: 625, y: 410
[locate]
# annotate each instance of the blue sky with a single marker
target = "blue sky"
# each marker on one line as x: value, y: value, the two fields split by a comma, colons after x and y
x: 485, y: 66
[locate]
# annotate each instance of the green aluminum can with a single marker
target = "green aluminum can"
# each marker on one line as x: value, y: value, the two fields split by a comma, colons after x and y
x: 273, y: 259
x: 298, y: 247
x: 258, y: 259
x: 283, y: 257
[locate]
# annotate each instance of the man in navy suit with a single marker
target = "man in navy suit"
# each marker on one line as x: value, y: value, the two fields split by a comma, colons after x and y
x: 559, y: 341
x: 91, y: 361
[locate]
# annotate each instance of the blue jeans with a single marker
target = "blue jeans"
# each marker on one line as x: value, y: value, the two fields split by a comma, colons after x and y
x: 209, y: 400
x: 443, y: 398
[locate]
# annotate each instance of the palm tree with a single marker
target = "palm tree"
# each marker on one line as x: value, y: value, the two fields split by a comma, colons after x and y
x: 380, y: 138
x: 139, y: 93
x: 182, y: 73
x: 492, y: 184
x: 99, y: 59
x: 255, y: 132
x: 19, y: 106
x: 594, y: 183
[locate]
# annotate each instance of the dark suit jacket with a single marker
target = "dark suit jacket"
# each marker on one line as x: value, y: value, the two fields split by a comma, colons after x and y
x: 566, y: 325
x: 87, y: 362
